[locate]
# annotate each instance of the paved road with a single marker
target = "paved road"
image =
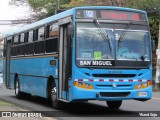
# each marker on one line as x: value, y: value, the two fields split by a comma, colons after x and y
x: 91, y: 110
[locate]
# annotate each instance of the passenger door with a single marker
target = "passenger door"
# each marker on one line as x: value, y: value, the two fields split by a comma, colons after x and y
x: 8, y: 56
x: 65, y: 56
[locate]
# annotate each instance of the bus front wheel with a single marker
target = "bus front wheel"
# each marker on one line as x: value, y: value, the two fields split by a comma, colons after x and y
x: 114, y: 104
x: 55, y: 103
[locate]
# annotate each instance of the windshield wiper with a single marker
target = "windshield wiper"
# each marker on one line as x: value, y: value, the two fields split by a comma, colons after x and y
x: 143, y: 57
x: 124, y: 32
x: 103, y: 33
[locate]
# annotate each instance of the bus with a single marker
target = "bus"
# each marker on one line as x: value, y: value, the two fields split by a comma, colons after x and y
x: 85, y: 53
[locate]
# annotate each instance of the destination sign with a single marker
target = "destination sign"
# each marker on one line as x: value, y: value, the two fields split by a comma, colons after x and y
x: 111, y: 15
x: 121, y: 15
x: 94, y: 63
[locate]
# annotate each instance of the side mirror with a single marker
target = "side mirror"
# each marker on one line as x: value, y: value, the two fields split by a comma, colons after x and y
x: 70, y: 30
x: 153, y: 45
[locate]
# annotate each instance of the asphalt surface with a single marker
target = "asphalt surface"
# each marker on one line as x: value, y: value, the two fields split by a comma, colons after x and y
x: 91, y: 110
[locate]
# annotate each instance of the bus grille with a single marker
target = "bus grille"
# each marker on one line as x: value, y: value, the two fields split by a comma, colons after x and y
x: 114, y: 94
x: 112, y: 85
x: 114, y: 75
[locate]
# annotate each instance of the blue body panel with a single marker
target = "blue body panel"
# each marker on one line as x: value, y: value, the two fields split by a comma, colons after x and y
x: 92, y: 95
x: 33, y: 74
x: 107, y: 86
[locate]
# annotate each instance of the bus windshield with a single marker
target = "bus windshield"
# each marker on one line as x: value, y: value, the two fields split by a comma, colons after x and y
x: 91, y: 44
x: 131, y: 44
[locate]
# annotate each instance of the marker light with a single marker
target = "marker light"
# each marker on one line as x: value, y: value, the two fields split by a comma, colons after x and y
x: 83, y: 85
x: 149, y: 82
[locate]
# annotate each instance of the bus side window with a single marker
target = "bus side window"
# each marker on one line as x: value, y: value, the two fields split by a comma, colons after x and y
x: 30, y: 36
x: 53, y: 30
x: 22, y: 38
x: 16, y: 40
x: 52, y: 38
x: 29, y: 48
x: 39, y: 34
x: 14, y: 49
x: 52, y: 45
x: 39, y: 46
x: 21, y: 47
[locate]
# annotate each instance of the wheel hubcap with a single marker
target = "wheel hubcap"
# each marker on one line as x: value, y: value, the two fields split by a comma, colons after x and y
x: 17, y: 88
x: 53, y: 94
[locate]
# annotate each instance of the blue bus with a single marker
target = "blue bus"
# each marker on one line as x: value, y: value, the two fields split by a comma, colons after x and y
x: 86, y: 53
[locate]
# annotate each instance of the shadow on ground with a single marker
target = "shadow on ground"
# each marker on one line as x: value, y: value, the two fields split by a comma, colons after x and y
x: 80, y: 109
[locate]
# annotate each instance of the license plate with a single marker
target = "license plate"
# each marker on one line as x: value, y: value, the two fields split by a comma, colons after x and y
x: 142, y: 94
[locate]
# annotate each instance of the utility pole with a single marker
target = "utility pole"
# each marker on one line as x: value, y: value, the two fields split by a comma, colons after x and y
x: 58, y: 4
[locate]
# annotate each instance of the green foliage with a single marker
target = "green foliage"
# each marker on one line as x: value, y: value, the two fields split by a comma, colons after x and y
x: 143, y: 4
x: 3, y: 103
x: 43, y: 8
x: 75, y: 3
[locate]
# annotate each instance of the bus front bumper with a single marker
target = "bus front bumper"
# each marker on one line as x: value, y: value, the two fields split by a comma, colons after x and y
x: 111, y: 95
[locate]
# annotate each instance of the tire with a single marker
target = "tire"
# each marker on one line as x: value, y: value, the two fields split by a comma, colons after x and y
x: 18, y: 94
x: 114, y: 104
x: 55, y: 103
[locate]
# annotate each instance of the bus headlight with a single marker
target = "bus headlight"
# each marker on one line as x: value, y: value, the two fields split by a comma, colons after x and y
x: 83, y: 85
x: 143, y: 85
x: 80, y: 84
x: 87, y: 85
x: 137, y: 86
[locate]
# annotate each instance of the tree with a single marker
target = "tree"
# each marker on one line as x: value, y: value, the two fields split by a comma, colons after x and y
x: 42, y: 8
x: 75, y: 3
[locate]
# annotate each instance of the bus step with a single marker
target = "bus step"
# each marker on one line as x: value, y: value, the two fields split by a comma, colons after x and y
x: 63, y: 100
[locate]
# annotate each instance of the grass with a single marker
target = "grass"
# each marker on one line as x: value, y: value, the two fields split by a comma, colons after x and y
x: 3, y: 103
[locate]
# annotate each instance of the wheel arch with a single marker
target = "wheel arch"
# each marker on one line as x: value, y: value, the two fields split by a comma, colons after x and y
x: 15, y: 77
x: 51, y: 81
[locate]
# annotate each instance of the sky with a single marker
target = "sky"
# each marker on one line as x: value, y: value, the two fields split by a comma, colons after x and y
x: 8, y: 12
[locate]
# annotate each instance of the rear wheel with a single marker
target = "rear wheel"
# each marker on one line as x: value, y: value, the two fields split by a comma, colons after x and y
x: 17, y: 89
x: 114, y: 104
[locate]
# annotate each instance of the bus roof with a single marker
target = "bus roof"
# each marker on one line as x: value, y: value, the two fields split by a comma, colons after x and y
x: 64, y: 14
x: 110, y: 7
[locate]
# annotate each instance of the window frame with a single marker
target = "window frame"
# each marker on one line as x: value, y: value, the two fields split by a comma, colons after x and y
x: 20, y: 36
x: 49, y: 29
x: 38, y: 34
x: 13, y: 39
x: 28, y: 36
